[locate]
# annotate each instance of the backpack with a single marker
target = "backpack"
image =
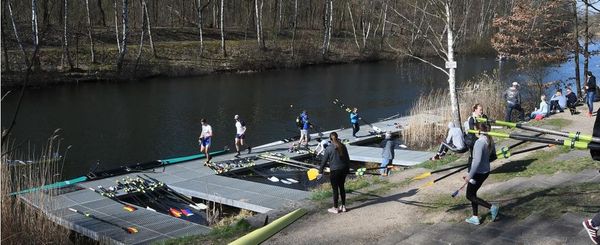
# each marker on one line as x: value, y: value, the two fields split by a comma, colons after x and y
x: 243, y: 123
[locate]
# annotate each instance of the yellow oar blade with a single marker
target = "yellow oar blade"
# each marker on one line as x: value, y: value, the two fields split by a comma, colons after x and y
x: 428, y: 184
x: 312, y: 173
x: 422, y: 176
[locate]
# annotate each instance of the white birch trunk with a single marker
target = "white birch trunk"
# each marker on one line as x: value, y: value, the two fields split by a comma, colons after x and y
x: 66, y: 53
x: 295, y: 25
x: 17, y: 38
x: 222, y: 30
x: 89, y: 22
x: 451, y: 66
x: 117, y: 26
x: 125, y: 19
x: 199, y: 12
x: 149, y: 28
x: 353, y: 27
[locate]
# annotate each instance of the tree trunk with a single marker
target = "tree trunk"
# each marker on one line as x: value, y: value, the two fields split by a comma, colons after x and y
x: 259, y: 28
x: 383, y: 25
x: 66, y: 53
x: 353, y: 27
x: 577, y: 51
x: 125, y: 18
x: 199, y: 12
x: 5, y: 61
x: 102, y: 14
x: 451, y: 66
x: 586, y: 44
x: 222, y: 29
x: 117, y: 26
x: 149, y: 28
x: 34, y: 29
x: 295, y: 25
x: 89, y: 22
x: 17, y: 38
x: 139, y: 54
x: 327, y: 26
x: 280, y: 16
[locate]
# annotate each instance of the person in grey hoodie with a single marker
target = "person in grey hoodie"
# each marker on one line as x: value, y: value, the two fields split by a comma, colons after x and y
x: 480, y: 170
x: 338, y: 158
x: 388, y: 153
x: 454, y: 142
x: 513, y: 102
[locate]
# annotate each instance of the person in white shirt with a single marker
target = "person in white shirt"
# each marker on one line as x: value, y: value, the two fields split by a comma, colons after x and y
x: 240, y: 134
x: 205, y: 138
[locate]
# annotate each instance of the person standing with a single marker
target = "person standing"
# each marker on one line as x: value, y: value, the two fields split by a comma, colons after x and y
x: 336, y: 155
x: 590, y: 90
x: 354, y: 121
x: 240, y: 134
x: 388, y: 153
x: 205, y: 139
x: 478, y: 173
x: 304, y: 125
x: 513, y: 100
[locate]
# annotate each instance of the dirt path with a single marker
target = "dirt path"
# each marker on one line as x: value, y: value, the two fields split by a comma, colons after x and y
x: 401, y: 210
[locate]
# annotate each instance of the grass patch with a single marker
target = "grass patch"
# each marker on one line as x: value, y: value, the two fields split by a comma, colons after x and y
x: 557, y: 123
x: 580, y: 198
x: 541, y: 162
x: 218, y: 235
x: 433, y: 165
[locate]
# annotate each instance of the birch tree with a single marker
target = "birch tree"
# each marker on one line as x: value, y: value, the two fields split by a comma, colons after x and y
x: 140, y: 48
x: 145, y: 6
x: 34, y: 30
x: 437, y: 32
x: 125, y: 33
x: 576, y: 44
x: 117, y: 26
x: 295, y: 25
x: 89, y: 22
x: 66, y: 54
x: 16, y: 32
x: 259, y: 25
x: 327, y: 24
x: 223, y: 29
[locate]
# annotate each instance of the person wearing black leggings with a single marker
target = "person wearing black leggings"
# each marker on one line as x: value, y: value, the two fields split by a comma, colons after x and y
x: 480, y: 170
x: 336, y: 155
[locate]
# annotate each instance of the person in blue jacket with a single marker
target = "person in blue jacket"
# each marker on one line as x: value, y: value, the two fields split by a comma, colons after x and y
x: 354, y: 121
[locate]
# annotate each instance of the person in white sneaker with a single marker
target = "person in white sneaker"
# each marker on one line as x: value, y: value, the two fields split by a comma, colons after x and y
x: 336, y: 155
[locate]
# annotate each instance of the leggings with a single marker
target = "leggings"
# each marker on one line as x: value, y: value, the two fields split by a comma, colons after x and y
x: 596, y: 220
x: 355, y: 128
x: 338, y: 178
x: 472, y: 193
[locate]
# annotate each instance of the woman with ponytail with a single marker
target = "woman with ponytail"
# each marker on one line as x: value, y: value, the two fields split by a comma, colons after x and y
x: 478, y: 173
x: 336, y: 155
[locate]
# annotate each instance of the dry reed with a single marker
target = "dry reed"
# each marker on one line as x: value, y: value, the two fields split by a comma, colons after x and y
x: 431, y: 112
x: 21, y: 222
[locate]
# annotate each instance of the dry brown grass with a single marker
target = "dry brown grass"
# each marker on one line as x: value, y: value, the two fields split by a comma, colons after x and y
x: 431, y: 112
x: 22, y: 223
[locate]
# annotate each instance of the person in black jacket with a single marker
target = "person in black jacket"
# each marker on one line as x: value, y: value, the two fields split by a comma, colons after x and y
x: 590, y: 89
x: 337, y: 156
x: 571, y: 100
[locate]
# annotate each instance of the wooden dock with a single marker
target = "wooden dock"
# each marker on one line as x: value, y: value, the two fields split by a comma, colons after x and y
x: 194, y: 179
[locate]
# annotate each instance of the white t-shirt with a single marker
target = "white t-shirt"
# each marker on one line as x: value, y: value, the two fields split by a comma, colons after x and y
x: 239, y: 128
x: 206, y: 131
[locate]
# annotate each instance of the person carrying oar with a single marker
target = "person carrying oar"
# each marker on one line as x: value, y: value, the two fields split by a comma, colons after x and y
x: 336, y: 155
x: 480, y: 170
x: 354, y: 121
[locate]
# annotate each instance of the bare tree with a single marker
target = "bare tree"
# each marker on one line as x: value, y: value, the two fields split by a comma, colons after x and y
x: 145, y: 6
x: 117, y: 26
x: 5, y: 61
x: 327, y: 25
x: 353, y: 26
x: 89, y: 21
x: 123, y: 52
x: 102, y: 14
x: 586, y: 39
x: 12, y: 20
x: 222, y: 29
x: 200, y: 9
x: 259, y: 25
x: 66, y: 54
x: 34, y: 30
x: 295, y: 25
x: 577, y: 51
x: 139, y: 54
x: 384, y: 19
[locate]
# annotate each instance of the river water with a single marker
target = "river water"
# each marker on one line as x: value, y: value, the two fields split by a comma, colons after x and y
x: 122, y: 123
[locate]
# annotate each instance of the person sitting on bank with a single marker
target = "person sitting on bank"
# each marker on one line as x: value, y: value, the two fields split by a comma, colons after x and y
x: 454, y: 142
x: 558, y: 102
x: 542, y: 112
x: 571, y: 100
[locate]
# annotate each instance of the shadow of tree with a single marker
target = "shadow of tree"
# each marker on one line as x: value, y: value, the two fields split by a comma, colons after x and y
x: 513, y: 166
x: 396, y: 198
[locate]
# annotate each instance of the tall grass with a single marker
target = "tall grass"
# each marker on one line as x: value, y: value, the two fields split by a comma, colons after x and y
x: 431, y: 113
x: 21, y: 222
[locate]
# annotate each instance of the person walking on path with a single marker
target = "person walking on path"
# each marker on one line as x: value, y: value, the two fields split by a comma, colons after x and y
x: 454, y: 142
x: 388, y: 153
x: 336, y: 155
x: 590, y: 89
x: 513, y: 100
x: 469, y: 139
x: 480, y: 170
x: 354, y: 121
x: 205, y: 138
x: 542, y: 111
x: 240, y: 134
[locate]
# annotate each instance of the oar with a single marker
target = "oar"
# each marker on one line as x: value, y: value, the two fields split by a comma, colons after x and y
x: 126, y: 206
x: 507, y: 154
x: 130, y: 229
x: 190, y: 201
x: 430, y: 183
x: 573, y: 144
x: 577, y: 136
x: 287, y: 161
x: 347, y: 109
x: 427, y: 174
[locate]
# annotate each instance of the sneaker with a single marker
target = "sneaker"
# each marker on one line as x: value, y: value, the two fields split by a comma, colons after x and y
x: 249, y: 149
x: 473, y: 220
x: 342, y: 209
x: 592, y: 232
x: 333, y: 210
x: 436, y: 157
x: 237, y: 155
x: 494, y: 210
x: 589, y: 114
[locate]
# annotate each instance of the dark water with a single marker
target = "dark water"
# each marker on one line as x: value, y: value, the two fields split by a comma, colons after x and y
x: 121, y: 123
